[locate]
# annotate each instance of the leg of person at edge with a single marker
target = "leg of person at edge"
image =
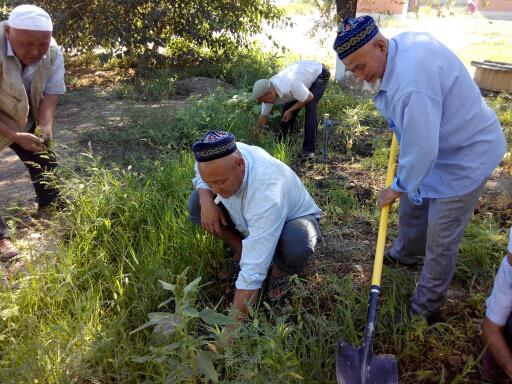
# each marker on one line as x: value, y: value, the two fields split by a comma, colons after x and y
x: 32, y: 68
x: 497, y: 327
x: 301, y: 84
x: 259, y: 207
x: 448, y: 148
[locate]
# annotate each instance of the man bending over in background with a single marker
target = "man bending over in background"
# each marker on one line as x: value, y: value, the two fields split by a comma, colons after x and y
x: 259, y: 207
x: 301, y: 84
x: 31, y: 78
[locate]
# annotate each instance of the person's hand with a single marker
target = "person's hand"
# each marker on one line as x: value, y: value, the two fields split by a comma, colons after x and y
x: 287, y: 115
x: 212, y: 217
x: 261, y: 122
x: 29, y: 142
x: 387, y: 196
x: 225, y: 338
x: 46, y: 133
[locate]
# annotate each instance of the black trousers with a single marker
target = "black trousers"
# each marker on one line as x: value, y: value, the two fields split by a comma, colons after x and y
x: 41, y: 167
x: 311, y: 122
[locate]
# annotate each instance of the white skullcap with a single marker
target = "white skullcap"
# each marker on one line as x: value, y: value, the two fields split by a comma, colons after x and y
x: 30, y: 17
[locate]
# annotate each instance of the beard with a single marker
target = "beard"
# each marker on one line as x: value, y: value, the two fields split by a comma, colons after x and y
x: 372, y: 88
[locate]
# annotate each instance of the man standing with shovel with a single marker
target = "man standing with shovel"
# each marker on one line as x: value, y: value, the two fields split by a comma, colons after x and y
x: 450, y: 143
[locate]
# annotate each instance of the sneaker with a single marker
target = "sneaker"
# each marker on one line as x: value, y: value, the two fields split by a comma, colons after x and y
x: 7, y: 251
x: 391, y: 261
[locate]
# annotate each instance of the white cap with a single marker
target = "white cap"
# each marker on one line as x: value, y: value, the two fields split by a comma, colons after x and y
x: 509, y: 248
x: 30, y: 17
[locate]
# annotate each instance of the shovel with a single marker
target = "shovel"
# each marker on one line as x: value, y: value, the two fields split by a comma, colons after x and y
x: 360, y: 365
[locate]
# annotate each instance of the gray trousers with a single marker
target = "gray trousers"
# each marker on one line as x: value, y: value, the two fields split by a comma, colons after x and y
x: 296, y: 244
x: 433, y: 229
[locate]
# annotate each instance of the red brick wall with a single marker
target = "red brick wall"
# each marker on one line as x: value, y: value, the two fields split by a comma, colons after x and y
x: 495, y: 5
x: 380, y: 6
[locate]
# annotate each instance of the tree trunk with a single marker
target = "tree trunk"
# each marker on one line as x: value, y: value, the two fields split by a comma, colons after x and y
x: 346, y: 9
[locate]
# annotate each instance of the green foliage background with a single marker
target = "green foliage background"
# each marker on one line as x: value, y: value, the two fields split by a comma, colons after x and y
x: 142, y: 28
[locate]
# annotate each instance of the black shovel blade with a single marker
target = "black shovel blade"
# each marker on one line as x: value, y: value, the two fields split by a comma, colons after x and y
x: 382, y: 369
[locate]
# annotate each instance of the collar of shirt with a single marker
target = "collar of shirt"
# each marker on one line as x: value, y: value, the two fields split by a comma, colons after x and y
x: 386, y: 78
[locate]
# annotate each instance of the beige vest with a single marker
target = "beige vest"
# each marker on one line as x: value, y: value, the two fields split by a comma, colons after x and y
x: 14, y: 102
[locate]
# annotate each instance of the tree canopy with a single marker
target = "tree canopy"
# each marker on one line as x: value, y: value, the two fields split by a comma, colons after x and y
x: 138, y: 27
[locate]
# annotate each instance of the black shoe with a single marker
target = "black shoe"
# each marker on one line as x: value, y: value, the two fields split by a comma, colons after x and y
x: 393, y: 262
x: 306, y: 155
x: 59, y: 204
x: 432, y: 317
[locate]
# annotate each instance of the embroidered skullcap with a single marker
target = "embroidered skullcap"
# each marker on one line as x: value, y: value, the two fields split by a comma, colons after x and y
x: 353, y: 34
x: 260, y: 87
x: 214, y: 145
x: 30, y: 17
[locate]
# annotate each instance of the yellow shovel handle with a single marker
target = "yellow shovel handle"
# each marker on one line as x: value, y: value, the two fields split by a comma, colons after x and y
x: 383, y: 226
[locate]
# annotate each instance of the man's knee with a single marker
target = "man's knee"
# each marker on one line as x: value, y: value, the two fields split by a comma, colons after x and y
x: 194, y: 208
x: 297, y: 243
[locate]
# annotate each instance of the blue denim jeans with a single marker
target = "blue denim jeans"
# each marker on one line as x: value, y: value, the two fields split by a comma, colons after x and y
x: 433, y: 229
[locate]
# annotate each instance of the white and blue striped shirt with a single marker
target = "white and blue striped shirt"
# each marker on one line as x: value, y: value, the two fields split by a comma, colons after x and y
x: 55, y: 84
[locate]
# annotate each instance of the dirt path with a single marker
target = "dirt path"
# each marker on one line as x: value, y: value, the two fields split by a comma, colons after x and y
x: 79, y: 112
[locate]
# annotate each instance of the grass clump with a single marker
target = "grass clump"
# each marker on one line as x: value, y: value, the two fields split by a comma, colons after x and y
x: 125, y: 232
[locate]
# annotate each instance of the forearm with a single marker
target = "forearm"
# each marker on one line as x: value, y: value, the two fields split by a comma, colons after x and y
x: 497, y: 345
x: 205, y: 195
x: 47, y: 108
x: 241, y: 302
x: 299, y: 104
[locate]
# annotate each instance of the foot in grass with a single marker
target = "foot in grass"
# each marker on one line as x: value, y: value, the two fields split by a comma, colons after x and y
x: 278, y: 285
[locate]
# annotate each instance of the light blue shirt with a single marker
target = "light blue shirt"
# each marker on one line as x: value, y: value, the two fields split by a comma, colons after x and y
x: 270, y: 195
x: 450, y: 139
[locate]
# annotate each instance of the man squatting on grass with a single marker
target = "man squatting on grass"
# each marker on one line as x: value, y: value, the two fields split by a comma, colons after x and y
x: 301, y: 84
x: 259, y: 207
x: 497, y: 328
x: 450, y: 142
x: 31, y: 78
